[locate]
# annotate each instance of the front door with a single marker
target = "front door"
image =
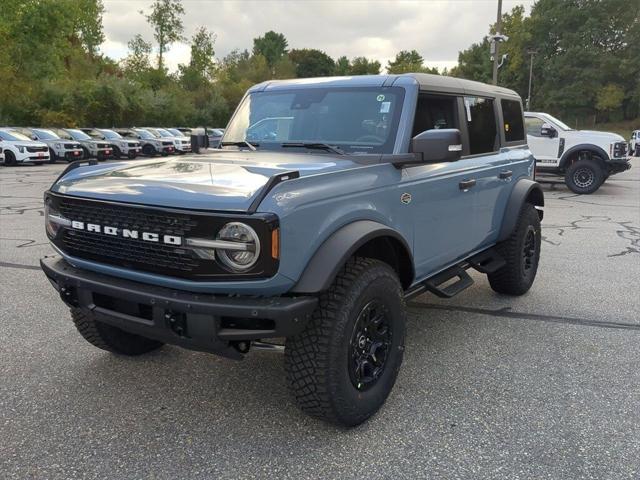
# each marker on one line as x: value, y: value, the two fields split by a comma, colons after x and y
x: 544, y: 149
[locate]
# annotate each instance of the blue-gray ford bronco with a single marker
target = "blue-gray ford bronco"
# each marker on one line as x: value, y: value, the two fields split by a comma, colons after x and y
x: 328, y: 204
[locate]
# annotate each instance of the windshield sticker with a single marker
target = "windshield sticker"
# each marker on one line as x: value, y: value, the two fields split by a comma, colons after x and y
x: 385, y: 107
x: 467, y: 104
x: 380, y: 98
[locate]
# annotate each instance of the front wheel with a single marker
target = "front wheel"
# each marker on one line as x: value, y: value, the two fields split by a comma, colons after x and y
x: 584, y: 177
x: 52, y: 156
x: 9, y: 158
x: 342, y: 367
x: 148, y: 150
x: 521, y: 251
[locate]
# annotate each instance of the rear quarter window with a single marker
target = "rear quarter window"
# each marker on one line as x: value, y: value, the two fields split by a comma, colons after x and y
x: 512, y: 116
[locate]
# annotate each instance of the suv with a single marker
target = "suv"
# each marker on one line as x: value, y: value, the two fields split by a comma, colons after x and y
x: 634, y: 143
x: 19, y: 148
x: 151, y: 145
x: 373, y: 190
x: 92, y: 148
x: 122, y: 147
x: 585, y: 158
x: 181, y: 143
x: 58, y: 148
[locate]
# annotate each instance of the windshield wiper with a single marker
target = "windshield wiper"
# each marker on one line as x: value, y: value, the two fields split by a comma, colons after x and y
x: 315, y: 146
x: 242, y: 143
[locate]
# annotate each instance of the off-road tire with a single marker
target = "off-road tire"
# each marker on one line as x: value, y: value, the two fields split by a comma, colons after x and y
x: 584, y: 177
x: 9, y: 158
x: 110, y: 338
x: 515, y: 278
x: 317, y: 361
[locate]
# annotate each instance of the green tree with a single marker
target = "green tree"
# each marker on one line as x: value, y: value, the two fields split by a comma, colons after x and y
x: 343, y: 66
x: 137, y: 64
x: 272, y: 46
x: 166, y: 20
x: 364, y: 66
x: 201, y: 67
x: 310, y: 62
x: 408, y: 62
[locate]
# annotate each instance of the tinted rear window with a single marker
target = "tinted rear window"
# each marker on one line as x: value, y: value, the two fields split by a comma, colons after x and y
x: 481, y: 124
x: 512, y: 114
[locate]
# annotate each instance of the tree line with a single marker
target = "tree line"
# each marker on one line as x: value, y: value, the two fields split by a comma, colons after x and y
x: 52, y: 73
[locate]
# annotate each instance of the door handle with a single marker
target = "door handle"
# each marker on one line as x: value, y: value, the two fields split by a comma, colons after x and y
x: 505, y: 174
x: 467, y: 184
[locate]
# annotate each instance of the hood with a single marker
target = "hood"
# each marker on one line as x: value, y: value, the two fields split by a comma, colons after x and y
x: 26, y: 143
x: 226, y: 180
x: 603, y: 136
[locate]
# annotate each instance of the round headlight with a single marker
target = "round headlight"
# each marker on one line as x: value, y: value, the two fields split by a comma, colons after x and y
x: 246, y: 255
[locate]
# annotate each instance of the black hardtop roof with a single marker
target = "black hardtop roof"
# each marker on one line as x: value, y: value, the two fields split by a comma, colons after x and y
x: 425, y: 81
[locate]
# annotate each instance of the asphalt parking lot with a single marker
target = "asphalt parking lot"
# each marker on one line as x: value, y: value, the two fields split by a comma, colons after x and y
x: 544, y: 386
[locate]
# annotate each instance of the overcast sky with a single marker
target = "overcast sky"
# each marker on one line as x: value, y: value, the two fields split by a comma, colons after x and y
x: 377, y: 29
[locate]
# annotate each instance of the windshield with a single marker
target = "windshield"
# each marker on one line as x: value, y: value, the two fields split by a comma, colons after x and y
x: 12, y: 136
x: 562, y: 125
x: 145, y: 134
x: 45, y: 134
x: 163, y: 133
x: 174, y: 132
x: 110, y: 134
x: 77, y: 134
x: 357, y: 120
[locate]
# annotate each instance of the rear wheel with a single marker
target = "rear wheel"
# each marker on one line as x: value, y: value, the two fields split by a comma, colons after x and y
x: 342, y: 367
x: 110, y: 338
x: 521, y: 251
x: 584, y: 176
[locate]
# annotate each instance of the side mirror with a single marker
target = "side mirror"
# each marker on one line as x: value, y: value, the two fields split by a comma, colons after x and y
x: 33, y: 137
x: 440, y: 145
x: 546, y: 130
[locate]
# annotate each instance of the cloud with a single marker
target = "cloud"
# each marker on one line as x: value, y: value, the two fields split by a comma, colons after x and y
x: 437, y: 29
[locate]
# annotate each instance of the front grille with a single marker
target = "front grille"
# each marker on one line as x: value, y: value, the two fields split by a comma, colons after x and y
x: 167, y: 144
x: 155, y: 257
x: 133, y: 144
x: 37, y: 149
x: 71, y: 146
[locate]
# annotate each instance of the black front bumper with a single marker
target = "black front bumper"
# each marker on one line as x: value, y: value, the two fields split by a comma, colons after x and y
x: 201, y: 322
x: 618, y: 165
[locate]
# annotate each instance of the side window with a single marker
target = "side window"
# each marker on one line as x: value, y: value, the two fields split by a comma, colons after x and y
x: 534, y: 125
x: 434, y: 112
x: 512, y: 115
x: 481, y: 124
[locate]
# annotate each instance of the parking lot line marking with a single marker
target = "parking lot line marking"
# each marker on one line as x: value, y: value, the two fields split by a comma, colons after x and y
x: 507, y: 313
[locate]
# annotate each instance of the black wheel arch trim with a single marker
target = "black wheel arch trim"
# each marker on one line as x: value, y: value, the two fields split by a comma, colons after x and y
x: 334, y: 252
x: 525, y: 190
x: 583, y: 147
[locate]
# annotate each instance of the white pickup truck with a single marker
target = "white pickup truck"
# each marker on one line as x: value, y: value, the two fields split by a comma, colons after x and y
x: 585, y: 158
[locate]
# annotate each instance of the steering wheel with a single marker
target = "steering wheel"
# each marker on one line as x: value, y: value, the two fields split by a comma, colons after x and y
x: 369, y: 139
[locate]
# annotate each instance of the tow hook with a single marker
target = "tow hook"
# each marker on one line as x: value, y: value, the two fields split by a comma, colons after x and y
x: 177, y: 322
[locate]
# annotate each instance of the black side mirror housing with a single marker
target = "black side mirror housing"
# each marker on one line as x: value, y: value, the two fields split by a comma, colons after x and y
x: 546, y: 130
x: 437, y: 145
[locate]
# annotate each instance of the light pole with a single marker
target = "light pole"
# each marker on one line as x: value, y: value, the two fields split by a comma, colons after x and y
x: 496, y: 42
x: 532, y: 53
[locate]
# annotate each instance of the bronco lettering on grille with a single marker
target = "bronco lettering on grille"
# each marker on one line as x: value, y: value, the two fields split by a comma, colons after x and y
x: 127, y: 233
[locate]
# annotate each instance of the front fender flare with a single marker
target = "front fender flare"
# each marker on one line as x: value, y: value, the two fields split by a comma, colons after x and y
x: 525, y: 190
x: 337, y: 249
x: 583, y: 147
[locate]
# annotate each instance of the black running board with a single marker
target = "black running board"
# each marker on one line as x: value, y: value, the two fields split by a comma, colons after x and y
x: 487, y: 261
